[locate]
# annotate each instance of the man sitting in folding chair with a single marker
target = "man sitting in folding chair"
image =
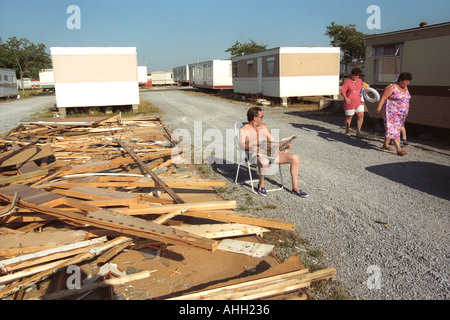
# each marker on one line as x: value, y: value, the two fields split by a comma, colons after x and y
x: 250, y: 136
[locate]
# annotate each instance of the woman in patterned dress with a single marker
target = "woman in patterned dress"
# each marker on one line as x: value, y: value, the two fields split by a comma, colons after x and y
x: 394, y: 105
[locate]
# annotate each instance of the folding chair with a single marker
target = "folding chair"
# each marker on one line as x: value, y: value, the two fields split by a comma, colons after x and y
x: 243, y: 158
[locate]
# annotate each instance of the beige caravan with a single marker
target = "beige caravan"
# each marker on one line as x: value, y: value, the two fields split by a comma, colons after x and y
x: 422, y: 51
x: 95, y: 76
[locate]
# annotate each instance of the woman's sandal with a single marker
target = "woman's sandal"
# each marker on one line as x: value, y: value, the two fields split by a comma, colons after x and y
x: 387, y: 148
x: 401, y: 153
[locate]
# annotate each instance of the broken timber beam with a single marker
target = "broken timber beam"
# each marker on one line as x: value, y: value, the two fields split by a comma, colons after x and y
x: 96, y: 285
x: 106, y: 219
x: 151, y: 173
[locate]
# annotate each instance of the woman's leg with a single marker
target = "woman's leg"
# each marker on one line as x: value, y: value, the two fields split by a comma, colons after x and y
x: 359, y: 122
x: 348, y: 121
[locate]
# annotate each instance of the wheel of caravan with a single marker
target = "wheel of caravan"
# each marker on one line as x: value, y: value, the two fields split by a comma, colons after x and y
x: 374, y: 93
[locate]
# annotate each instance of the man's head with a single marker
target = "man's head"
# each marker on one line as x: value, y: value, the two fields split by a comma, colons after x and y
x: 254, y: 112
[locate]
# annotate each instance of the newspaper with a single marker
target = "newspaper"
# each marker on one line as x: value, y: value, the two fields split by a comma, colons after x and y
x: 271, y: 149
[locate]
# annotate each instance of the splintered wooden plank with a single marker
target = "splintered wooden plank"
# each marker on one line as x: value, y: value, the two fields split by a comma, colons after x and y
x: 151, y: 173
x: 135, y: 226
x: 286, y: 277
x: 252, y: 249
x: 27, y: 167
x: 96, y: 285
x: 14, y: 263
x: 194, y: 206
x: 118, y: 222
x: 221, y: 230
x: 291, y: 268
x: 47, y: 271
x: 29, y: 154
x: 91, y: 193
x: 14, y: 153
x: 234, y: 216
x: 107, y: 165
x: 12, y: 244
x: 143, y: 183
x: 20, y: 177
x: 166, y: 217
x: 34, y: 196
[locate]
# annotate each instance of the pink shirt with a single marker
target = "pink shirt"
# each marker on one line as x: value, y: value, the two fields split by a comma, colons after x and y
x: 352, y: 90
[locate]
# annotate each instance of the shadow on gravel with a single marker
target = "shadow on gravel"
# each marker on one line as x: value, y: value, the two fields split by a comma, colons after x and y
x: 228, y: 171
x: 329, y: 135
x: 427, y: 177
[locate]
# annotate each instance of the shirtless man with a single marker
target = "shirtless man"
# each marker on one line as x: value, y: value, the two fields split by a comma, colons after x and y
x: 250, y: 135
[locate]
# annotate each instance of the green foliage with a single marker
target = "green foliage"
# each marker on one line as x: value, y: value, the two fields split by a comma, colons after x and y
x: 350, y: 40
x: 24, y: 56
x: 244, y: 48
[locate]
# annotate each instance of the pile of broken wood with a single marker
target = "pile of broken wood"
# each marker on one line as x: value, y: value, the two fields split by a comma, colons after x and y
x: 79, y: 192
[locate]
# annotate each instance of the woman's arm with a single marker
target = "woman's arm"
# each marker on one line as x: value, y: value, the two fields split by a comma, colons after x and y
x: 387, y: 92
x: 344, y: 92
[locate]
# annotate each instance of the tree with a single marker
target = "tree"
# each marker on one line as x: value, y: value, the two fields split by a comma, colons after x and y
x: 350, y: 40
x: 244, y: 48
x: 25, y: 57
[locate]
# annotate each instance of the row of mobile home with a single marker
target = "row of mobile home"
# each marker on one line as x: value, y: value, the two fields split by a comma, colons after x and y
x: 423, y: 52
x: 285, y: 72
x: 8, y: 83
x: 281, y: 72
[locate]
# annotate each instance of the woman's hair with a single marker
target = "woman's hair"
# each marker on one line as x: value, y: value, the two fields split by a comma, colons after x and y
x: 253, y: 112
x: 356, y: 72
x: 404, y: 76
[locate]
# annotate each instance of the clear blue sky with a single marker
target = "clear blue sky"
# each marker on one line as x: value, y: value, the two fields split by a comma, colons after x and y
x: 170, y: 33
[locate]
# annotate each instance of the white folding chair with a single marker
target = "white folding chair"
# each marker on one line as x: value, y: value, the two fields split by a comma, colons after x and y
x: 243, y: 159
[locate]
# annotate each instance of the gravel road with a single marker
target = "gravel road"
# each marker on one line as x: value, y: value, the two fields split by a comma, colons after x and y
x: 381, y: 220
x: 15, y: 111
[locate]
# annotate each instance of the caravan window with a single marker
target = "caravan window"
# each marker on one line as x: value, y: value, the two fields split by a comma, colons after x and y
x: 235, y: 69
x: 250, y: 66
x: 387, y: 61
x: 270, y: 65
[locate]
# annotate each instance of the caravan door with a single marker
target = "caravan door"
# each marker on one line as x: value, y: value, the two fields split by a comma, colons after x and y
x: 259, y: 72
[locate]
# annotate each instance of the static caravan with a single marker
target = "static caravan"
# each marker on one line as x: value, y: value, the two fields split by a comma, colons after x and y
x: 285, y: 72
x: 46, y: 79
x: 142, y: 75
x: 213, y: 74
x: 346, y: 69
x: 181, y: 75
x: 423, y: 52
x: 35, y: 84
x: 8, y: 83
x: 95, y: 77
x: 26, y: 83
x: 162, y: 78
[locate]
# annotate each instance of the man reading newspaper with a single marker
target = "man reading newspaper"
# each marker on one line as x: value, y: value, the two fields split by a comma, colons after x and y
x: 262, y: 149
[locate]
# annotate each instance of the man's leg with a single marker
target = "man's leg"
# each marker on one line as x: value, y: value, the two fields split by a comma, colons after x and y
x: 294, y: 161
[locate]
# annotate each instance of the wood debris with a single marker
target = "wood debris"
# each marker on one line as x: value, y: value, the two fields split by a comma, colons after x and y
x: 87, y: 191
